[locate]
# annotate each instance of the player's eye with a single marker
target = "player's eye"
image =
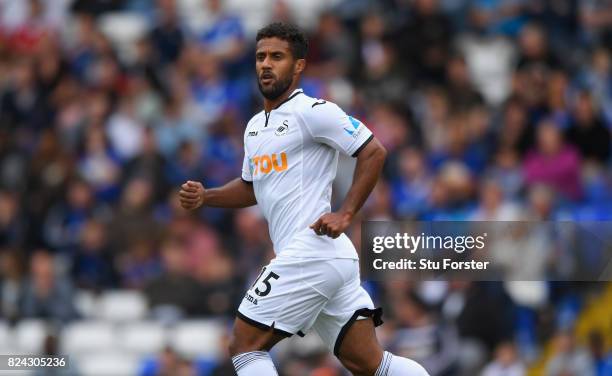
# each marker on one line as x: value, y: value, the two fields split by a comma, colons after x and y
x: 260, y: 57
x: 277, y: 56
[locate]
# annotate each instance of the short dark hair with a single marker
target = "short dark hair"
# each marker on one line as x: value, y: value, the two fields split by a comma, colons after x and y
x: 287, y: 32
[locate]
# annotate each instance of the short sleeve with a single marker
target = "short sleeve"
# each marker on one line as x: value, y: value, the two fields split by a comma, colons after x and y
x: 328, y: 124
x: 247, y: 175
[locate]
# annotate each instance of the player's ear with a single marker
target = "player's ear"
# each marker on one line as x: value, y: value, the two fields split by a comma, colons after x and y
x: 300, y: 65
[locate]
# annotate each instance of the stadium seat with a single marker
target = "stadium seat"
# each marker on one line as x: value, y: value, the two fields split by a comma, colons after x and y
x: 254, y: 14
x: 309, y: 11
x: 86, y: 337
x: 120, y: 306
x: 124, y: 29
x: 86, y: 303
x: 18, y: 373
x: 7, y: 344
x: 143, y: 338
x: 29, y: 336
x: 4, y: 334
x: 108, y: 363
x: 198, y: 338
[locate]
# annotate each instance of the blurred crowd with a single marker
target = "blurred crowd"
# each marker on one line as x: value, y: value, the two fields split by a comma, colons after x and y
x: 490, y: 110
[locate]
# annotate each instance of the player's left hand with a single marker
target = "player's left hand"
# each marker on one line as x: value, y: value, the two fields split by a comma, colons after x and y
x: 332, y: 224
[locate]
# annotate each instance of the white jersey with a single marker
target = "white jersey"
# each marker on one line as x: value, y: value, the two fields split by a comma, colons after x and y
x: 291, y: 158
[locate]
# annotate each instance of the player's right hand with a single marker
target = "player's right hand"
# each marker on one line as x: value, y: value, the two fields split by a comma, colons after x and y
x: 191, y: 195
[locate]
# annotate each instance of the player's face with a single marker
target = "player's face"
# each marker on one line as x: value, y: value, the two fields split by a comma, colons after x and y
x: 276, y: 67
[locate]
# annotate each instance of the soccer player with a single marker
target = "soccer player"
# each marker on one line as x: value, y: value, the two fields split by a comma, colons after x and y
x: 290, y: 159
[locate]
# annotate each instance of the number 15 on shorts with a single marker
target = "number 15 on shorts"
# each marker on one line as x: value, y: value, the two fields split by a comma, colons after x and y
x: 264, y: 283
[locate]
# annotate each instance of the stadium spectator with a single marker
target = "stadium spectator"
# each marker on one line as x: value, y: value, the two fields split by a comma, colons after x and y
x: 186, y: 164
x: 46, y: 294
x: 505, y: 168
x: 378, y: 207
x: 252, y: 244
x: 596, y: 21
x: 149, y: 165
x: 515, y: 131
x: 139, y: 263
x: 331, y: 49
x: 597, y: 347
x: 175, y: 286
x: 498, y: 16
x: 222, y: 286
x: 99, y: 166
x: 597, y: 78
x: 561, y: 20
x: 505, y: 363
x: 66, y: 219
x: 92, y: 266
x: 569, y: 358
x: 224, y: 36
x: 21, y: 103
x: 493, y: 205
x: 554, y: 163
x: 588, y: 132
x: 36, y: 27
x: 169, y: 362
x: 534, y: 51
x: 452, y: 194
x: 460, y: 86
x: 12, y: 222
x: 167, y: 37
x: 421, y: 336
x: 380, y: 73
x: 11, y: 284
x: 411, y: 188
x: 541, y: 203
x: 173, y: 128
x: 133, y: 217
x: 477, y: 303
x: 424, y: 41
x: 124, y: 129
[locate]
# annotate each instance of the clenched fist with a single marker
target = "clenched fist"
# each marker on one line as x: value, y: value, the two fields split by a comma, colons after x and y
x: 332, y: 224
x: 192, y: 195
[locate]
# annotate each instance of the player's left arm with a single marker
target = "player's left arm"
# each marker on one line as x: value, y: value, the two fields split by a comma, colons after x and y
x: 370, y: 161
x: 330, y: 125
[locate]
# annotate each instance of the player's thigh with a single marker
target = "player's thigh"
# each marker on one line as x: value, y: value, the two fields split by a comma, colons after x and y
x: 360, y: 351
x: 285, y: 299
x: 346, y: 323
x: 246, y: 338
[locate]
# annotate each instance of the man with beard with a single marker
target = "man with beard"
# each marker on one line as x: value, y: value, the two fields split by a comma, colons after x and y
x: 290, y: 161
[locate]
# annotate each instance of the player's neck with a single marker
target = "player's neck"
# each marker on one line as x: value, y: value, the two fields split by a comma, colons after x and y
x: 270, y: 105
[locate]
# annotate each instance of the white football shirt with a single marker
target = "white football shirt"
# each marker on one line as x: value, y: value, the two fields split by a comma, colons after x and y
x: 291, y: 158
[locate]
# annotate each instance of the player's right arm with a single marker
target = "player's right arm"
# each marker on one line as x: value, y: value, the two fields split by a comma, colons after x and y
x: 238, y: 193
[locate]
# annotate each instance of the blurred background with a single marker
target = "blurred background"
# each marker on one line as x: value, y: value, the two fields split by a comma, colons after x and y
x: 490, y: 110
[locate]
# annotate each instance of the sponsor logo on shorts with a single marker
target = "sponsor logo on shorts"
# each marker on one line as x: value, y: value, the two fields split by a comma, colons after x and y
x: 252, y: 134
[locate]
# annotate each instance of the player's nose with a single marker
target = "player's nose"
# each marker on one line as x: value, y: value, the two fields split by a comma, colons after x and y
x: 266, y: 63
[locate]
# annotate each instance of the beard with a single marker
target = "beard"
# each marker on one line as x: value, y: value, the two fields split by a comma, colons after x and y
x: 278, y: 88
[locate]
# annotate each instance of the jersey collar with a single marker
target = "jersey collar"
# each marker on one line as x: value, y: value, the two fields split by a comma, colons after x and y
x: 295, y: 93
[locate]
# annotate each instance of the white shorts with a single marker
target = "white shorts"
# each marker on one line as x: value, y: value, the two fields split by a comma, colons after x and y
x: 293, y: 295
